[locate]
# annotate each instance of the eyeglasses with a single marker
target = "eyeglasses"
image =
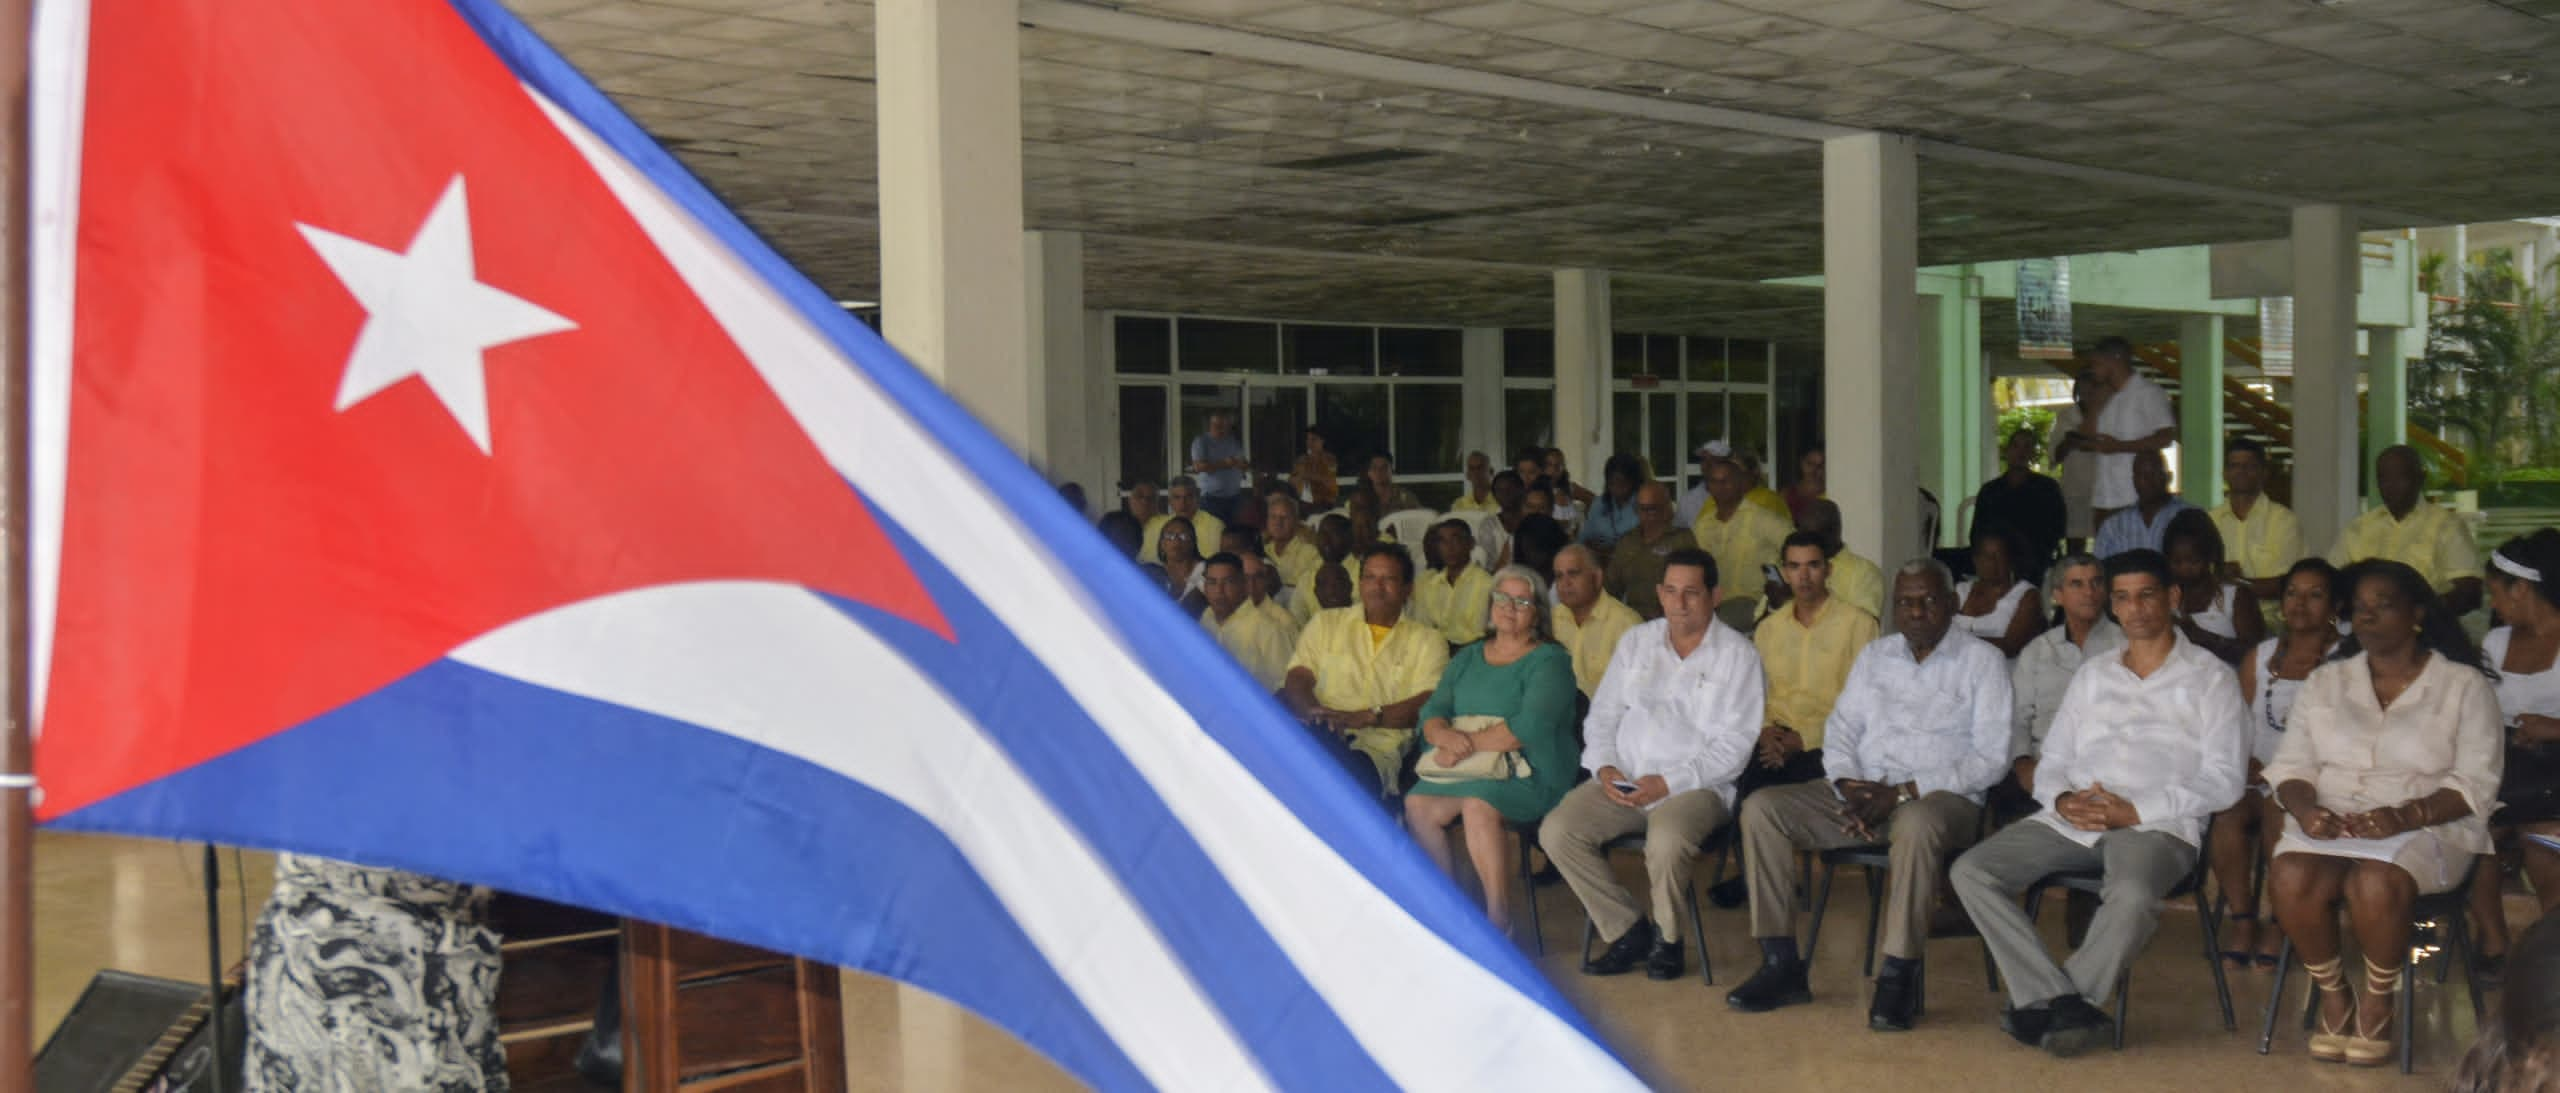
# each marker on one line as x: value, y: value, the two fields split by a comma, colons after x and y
x: 1504, y: 599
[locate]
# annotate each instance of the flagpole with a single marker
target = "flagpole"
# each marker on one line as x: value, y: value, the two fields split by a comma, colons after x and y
x: 17, y: 828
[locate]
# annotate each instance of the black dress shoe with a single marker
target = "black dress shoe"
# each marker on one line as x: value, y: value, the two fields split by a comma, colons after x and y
x: 1624, y: 954
x: 1777, y: 983
x: 1897, y: 995
x: 2076, y: 1026
x: 1666, y: 961
x: 2027, y: 1026
x: 1729, y: 894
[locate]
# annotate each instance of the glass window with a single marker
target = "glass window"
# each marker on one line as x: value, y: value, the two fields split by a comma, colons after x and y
x: 1222, y: 345
x: 1662, y: 355
x: 1706, y: 422
x: 1749, y: 359
x: 1528, y: 418
x: 1328, y: 350
x: 1706, y: 359
x: 1429, y: 422
x: 1750, y: 425
x: 1626, y: 356
x: 1142, y: 345
x: 1142, y: 443
x: 1529, y: 354
x: 1662, y: 440
x: 1406, y: 351
x: 1626, y: 422
x: 1353, y: 417
x: 1275, y: 424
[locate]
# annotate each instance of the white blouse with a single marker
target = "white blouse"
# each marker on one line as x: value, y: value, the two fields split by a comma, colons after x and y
x: 2216, y: 618
x: 1993, y: 626
x: 2520, y: 693
x: 2272, y: 701
x: 2442, y: 731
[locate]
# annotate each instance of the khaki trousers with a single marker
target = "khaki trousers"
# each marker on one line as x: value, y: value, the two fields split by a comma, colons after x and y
x: 1780, y: 821
x: 1587, y: 819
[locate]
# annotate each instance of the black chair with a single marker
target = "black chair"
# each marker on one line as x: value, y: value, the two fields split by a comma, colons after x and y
x: 1721, y: 841
x: 2207, y: 922
x: 1874, y: 858
x: 2451, y: 914
x: 1527, y: 833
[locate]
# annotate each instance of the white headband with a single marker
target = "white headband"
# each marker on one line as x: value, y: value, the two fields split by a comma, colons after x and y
x: 2514, y: 568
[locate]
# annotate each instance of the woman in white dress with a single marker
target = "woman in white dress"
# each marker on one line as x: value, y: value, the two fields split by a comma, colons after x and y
x: 2522, y: 590
x: 1997, y: 605
x: 2269, y: 677
x: 2389, y: 766
x: 2221, y: 616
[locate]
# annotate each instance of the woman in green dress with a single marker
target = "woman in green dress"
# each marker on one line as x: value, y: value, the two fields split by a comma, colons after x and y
x: 1511, y: 694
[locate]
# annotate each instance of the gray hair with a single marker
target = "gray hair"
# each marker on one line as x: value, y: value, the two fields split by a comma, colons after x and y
x: 1931, y: 568
x: 1544, y: 628
x: 2053, y: 577
x: 1180, y: 481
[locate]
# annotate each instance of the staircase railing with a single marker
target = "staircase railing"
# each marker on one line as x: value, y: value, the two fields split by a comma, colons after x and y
x: 2274, y: 419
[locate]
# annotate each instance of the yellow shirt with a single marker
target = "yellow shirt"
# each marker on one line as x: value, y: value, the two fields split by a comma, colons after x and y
x: 1742, y: 544
x: 1456, y: 611
x: 1768, y: 499
x: 1353, y: 675
x: 1281, y: 618
x: 1302, y: 603
x: 1205, y: 528
x: 1256, y: 641
x: 1296, y: 562
x: 1592, y: 643
x: 2432, y: 541
x: 1470, y: 504
x: 2264, y: 545
x: 1808, y: 665
x: 1858, y: 583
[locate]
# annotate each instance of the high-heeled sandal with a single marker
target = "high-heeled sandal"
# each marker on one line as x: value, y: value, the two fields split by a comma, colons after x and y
x: 2376, y: 1047
x: 2238, y: 960
x: 2329, y: 1044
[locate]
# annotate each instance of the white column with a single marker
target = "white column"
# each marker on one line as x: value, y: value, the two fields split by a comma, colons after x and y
x: 1582, y: 370
x: 2326, y: 270
x: 1870, y: 367
x: 2200, y: 409
x: 1062, y: 377
x: 950, y: 121
x: 2386, y: 391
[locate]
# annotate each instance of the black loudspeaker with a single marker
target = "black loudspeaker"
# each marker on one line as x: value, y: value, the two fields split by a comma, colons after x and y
x: 142, y: 1034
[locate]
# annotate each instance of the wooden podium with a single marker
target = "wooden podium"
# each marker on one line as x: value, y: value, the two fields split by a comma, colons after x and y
x: 697, y: 1014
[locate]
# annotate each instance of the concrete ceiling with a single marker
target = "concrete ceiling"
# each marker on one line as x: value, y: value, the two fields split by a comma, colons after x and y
x: 1220, y: 183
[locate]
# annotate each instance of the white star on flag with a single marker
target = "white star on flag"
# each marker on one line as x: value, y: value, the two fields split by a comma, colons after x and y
x: 427, y: 314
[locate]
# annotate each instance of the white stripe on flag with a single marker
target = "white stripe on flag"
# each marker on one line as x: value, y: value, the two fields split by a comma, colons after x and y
x: 778, y: 667
x: 1402, y: 989
x: 61, y: 89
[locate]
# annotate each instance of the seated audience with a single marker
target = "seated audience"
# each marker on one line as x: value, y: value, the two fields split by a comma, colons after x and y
x: 1669, y: 731
x: 2143, y: 525
x: 1572, y: 501
x: 1478, y: 496
x: 1999, y: 605
x: 1140, y: 502
x: 1333, y: 551
x: 1919, y: 731
x: 1760, y: 494
x: 1813, y: 474
x: 1121, y: 530
x: 1806, y: 649
x: 1613, y: 515
x: 1182, y: 501
x: 1335, y: 589
x: 1262, y: 586
x: 1452, y: 596
x: 1380, y: 485
x: 2523, y: 651
x: 2413, y: 531
x: 1540, y: 500
x: 1497, y: 740
x: 2270, y: 676
x: 1240, y: 539
x: 2519, y: 1046
x: 2389, y: 763
x: 2044, y: 670
x: 1855, y: 580
x: 1591, y: 620
x: 2030, y: 505
x: 1360, y: 675
x: 1246, y: 632
x: 1289, y: 543
x: 1694, y: 499
x: 1536, y: 542
x: 1314, y: 478
x: 1743, y: 537
x: 1635, y: 566
x: 1362, y: 507
x: 1494, y: 529
x: 2152, y: 739
x: 2261, y: 537
x: 2213, y: 611
x: 1181, y: 560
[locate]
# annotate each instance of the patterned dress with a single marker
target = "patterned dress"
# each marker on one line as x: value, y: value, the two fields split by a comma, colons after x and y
x: 366, y: 980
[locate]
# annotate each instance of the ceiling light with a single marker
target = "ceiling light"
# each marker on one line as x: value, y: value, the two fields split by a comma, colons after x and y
x: 2515, y: 79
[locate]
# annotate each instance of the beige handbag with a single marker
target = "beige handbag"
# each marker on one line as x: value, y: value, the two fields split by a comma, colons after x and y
x: 1483, y: 766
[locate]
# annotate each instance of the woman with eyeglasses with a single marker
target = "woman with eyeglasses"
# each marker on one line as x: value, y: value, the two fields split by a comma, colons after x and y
x: 1497, y: 738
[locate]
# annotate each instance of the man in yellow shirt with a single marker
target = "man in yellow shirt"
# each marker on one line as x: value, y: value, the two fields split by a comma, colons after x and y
x: 2410, y: 529
x: 1361, y: 674
x: 1453, y: 596
x: 1592, y: 620
x: 2260, y: 538
x: 1243, y: 630
x: 1262, y: 593
x: 1287, y: 542
x: 1760, y: 494
x: 1333, y: 551
x: 1479, y: 493
x: 1806, y: 647
x: 1743, y: 538
x: 1635, y: 566
x: 1854, y: 580
x: 1184, y: 498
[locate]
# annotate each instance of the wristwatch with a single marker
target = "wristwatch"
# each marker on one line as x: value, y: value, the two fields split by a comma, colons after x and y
x: 1902, y: 795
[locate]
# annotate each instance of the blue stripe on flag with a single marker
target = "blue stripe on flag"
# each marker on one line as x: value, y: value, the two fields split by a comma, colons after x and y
x: 456, y: 772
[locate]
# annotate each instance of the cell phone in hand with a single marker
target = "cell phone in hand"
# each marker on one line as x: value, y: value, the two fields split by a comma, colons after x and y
x: 1622, y: 786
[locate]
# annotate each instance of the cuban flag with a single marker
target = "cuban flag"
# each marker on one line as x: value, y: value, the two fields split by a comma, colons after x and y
x: 428, y: 472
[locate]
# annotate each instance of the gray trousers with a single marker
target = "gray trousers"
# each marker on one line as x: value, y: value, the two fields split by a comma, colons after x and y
x: 1587, y: 819
x: 1781, y: 820
x: 2140, y: 868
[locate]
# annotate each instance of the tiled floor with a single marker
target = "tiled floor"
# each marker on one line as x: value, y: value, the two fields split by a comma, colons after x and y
x: 139, y: 906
